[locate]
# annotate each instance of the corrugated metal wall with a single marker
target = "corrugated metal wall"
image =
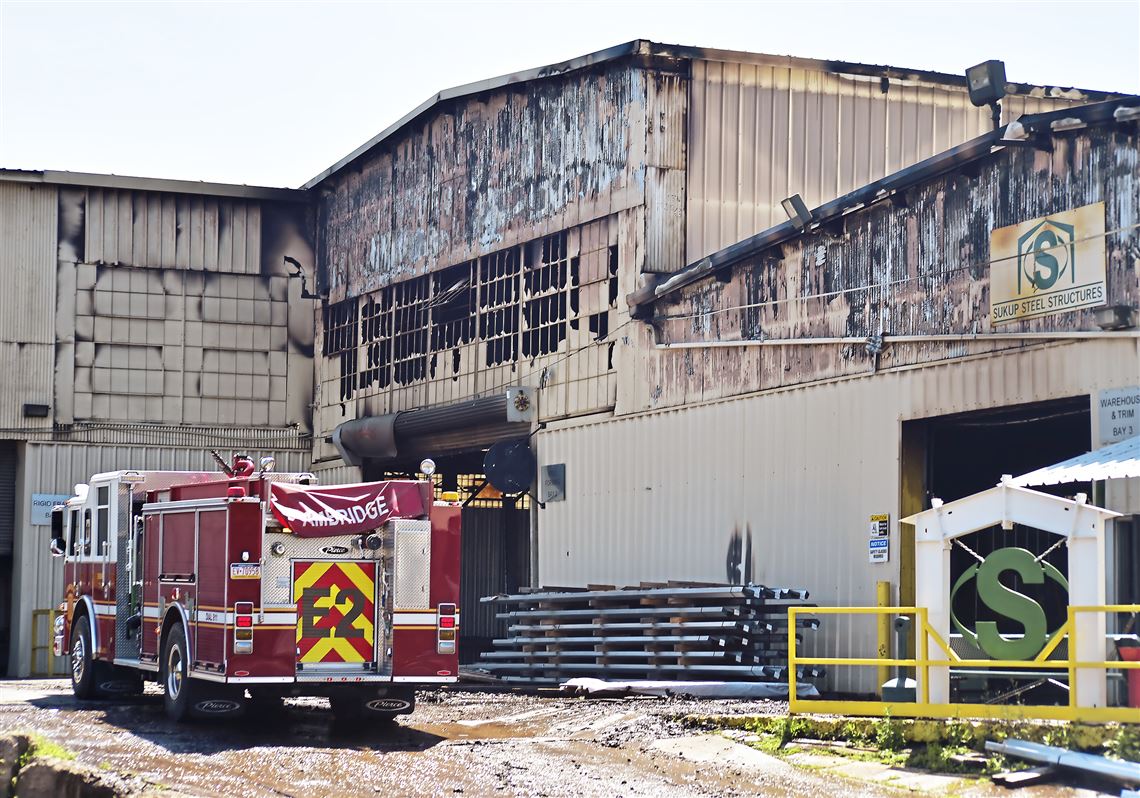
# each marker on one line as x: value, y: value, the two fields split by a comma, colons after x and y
x: 172, y: 231
x: 27, y: 328
x: 759, y: 133
x: 663, y: 495
x: 56, y: 468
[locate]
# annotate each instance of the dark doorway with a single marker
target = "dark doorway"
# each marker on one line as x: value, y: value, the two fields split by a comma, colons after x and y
x: 496, y: 545
x: 963, y: 454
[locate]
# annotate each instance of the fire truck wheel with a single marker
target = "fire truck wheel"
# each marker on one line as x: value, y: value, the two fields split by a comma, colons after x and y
x: 84, y: 679
x: 176, y: 682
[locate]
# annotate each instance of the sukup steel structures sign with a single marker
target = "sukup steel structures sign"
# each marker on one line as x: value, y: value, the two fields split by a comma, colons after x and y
x: 1048, y: 265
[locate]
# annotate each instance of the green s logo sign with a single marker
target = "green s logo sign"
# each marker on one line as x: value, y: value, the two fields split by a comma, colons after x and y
x: 1008, y: 603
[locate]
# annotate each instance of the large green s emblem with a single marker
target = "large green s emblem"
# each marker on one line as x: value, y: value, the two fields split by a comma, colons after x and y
x: 1009, y: 603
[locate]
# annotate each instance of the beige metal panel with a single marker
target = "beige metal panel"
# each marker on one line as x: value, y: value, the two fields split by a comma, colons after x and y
x: 660, y: 495
x: 759, y: 133
x: 28, y: 223
x: 141, y: 228
x: 337, y: 473
x: 56, y: 468
x: 28, y: 256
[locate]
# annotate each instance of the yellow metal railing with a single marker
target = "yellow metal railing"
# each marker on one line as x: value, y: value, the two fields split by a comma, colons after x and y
x: 45, y: 649
x: 922, y: 663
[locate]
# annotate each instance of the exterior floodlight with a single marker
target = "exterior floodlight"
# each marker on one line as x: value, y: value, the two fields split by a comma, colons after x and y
x: 986, y: 82
x: 427, y: 467
x: 267, y: 464
x: 1115, y: 317
x: 986, y: 85
x: 797, y: 211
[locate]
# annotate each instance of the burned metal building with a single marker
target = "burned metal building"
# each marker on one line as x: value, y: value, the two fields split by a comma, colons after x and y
x: 492, y: 239
x: 593, y: 257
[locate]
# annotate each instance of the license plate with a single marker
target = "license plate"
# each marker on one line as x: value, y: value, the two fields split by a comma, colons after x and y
x: 245, y: 570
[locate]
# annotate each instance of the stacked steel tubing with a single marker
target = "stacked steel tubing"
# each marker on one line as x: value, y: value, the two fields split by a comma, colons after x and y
x: 680, y: 631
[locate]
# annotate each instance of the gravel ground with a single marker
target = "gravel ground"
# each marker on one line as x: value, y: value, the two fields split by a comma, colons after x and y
x: 456, y: 743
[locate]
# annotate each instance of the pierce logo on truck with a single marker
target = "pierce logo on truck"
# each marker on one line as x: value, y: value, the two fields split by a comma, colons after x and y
x: 335, y: 611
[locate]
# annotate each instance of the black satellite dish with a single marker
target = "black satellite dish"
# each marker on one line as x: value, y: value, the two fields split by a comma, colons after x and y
x: 510, y: 466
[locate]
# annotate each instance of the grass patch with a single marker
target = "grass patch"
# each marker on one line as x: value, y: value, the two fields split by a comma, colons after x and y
x: 939, y: 746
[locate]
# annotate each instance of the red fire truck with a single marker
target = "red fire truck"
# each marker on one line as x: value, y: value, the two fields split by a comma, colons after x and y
x: 214, y: 584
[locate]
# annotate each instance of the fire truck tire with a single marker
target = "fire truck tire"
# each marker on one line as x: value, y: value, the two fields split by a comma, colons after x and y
x: 178, y: 688
x: 85, y: 671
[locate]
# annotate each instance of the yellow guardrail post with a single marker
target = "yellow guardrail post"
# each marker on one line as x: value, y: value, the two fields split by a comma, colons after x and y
x: 793, y: 693
x: 37, y: 646
x: 883, y: 599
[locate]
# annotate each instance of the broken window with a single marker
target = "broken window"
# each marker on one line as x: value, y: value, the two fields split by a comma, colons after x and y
x: 376, y: 339
x: 544, y: 283
x: 340, y: 341
x: 452, y: 307
x: 410, y: 329
x: 499, y: 306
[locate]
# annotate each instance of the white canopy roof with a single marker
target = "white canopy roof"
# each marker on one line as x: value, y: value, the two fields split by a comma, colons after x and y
x: 1118, y: 461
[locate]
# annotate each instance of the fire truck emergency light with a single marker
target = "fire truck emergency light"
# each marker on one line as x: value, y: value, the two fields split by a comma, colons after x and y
x: 427, y: 467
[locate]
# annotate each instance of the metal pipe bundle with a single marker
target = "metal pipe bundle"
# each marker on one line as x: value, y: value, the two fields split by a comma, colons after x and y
x: 680, y: 631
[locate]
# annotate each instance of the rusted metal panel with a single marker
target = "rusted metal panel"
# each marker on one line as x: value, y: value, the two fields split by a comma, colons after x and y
x: 916, y: 267
x: 483, y: 174
x: 785, y: 474
x: 762, y: 132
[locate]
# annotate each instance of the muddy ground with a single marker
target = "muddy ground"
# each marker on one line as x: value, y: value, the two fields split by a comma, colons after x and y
x: 457, y: 742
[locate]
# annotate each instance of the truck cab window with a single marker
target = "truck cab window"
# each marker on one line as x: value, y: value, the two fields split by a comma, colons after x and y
x: 86, y: 550
x: 74, y: 535
x: 102, y: 520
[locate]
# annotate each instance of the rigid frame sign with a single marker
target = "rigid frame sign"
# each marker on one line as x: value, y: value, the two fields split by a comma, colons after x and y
x: 1048, y: 265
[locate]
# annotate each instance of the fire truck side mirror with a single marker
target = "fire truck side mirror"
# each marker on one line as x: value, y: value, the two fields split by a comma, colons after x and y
x: 58, y: 544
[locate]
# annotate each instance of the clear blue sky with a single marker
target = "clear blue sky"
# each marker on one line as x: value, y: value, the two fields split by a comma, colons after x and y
x: 272, y: 93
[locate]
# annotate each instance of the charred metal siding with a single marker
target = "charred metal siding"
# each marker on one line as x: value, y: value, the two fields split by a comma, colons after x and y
x: 922, y: 269
x: 789, y: 474
x: 27, y: 330
x: 759, y: 133
x: 178, y: 309
x: 483, y: 173
x: 172, y: 231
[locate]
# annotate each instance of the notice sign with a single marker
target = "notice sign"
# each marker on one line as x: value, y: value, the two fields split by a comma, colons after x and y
x: 1048, y: 265
x: 42, y: 504
x: 1118, y: 414
x: 879, y: 549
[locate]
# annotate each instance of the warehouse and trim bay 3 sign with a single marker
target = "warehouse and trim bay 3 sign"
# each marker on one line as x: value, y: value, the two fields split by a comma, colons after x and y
x: 1048, y: 265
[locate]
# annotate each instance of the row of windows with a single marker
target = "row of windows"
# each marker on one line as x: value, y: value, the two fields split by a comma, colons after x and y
x: 518, y: 302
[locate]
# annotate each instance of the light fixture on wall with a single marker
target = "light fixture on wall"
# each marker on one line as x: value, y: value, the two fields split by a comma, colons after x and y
x: 986, y: 85
x: 797, y: 211
x: 305, y: 292
x: 1115, y: 317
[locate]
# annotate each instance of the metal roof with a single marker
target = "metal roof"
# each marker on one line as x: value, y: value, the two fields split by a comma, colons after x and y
x: 1026, y: 131
x: 1118, y: 461
x: 126, y: 183
x: 645, y: 48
